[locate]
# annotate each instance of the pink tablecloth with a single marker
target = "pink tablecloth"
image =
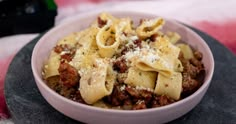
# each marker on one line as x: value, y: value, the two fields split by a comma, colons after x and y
x: 215, y: 17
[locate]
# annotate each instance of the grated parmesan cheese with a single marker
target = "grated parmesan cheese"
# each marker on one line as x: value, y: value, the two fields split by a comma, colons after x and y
x: 133, y: 38
x: 139, y: 102
x: 145, y: 54
x: 122, y: 87
x: 123, y: 37
x: 64, y: 52
x: 144, y: 88
x: 151, y: 57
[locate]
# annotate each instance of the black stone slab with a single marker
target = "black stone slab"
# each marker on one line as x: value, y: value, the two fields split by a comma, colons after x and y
x: 27, y: 106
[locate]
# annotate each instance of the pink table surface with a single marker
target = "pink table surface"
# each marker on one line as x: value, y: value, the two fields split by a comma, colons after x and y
x: 215, y: 17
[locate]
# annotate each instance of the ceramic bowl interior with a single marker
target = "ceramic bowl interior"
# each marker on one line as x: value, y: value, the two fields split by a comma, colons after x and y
x: 91, y: 114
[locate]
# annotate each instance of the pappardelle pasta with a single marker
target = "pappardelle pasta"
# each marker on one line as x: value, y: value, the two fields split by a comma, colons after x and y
x: 114, y: 64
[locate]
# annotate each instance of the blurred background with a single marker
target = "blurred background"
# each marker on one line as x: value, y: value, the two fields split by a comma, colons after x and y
x: 23, y: 20
x: 26, y: 16
x: 214, y: 17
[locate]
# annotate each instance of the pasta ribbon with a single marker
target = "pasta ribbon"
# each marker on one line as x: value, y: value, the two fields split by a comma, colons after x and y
x: 169, y: 86
x: 86, y: 48
x: 97, y: 82
x: 108, y: 17
x: 127, y: 25
x: 112, y: 50
x: 159, y: 65
x: 169, y: 53
x: 173, y: 37
x: 186, y: 50
x: 137, y: 77
x: 150, y: 60
x: 109, y: 38
x: 52, y: 65
x: 69, y: 40
x: 149, y: 27
x: 106, y: 41
x: 166, y: 48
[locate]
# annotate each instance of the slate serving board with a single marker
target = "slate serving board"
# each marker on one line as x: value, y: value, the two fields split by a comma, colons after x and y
x: 27, y: 106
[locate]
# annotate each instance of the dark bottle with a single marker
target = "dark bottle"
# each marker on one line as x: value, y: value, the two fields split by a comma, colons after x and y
x: 26, y: 16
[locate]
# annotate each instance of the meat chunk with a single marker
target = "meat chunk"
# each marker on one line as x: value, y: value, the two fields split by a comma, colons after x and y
x: 58, y: 48
x: 138, y: 43
x: 127, y: 104
x: 68, y: 75
x: 67, y: 52
x: 141, y: 94
x: 198, y: 55
x: 139, y: 105
x: 190, y: 68
x: 189, y: 85
x: 101, y: 22
x: 77, y: 97
x: 153, y: 37
x: 68, y: 57
x: 162, y: 100
x: 121, y: 77
x: 155, y: 102
x: 200, y: 76
x: 118, y: 95
x: 197, y: 64
x: 146, y: 95
x: 181, y: 56
x: 120, y: 65
x: 193, y: 74
x: 66, y: 91
x: 133, y: 92
x: 61, y: 47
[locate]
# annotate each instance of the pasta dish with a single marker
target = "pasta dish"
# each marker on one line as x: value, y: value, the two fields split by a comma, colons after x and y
x: 115, y: 64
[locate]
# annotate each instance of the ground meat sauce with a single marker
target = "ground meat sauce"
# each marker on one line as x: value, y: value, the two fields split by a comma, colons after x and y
x: 193, y: 74
x: 68, y: 56
x: 61, y: 47
x: 124, y: 96
x: 77, y: 97
x: 127, y: 97
x: 131, y: 98
x: 69, y: 76
x: 101, y: 22
x: 153, y: 37
x: 120, y: 66
x: 136, y: 44
x: 66, y: 52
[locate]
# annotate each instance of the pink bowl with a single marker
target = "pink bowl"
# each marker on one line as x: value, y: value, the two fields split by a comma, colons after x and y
x: 89, y: 114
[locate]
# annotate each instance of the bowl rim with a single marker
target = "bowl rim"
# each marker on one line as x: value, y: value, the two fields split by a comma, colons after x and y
x: 40, y: 81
